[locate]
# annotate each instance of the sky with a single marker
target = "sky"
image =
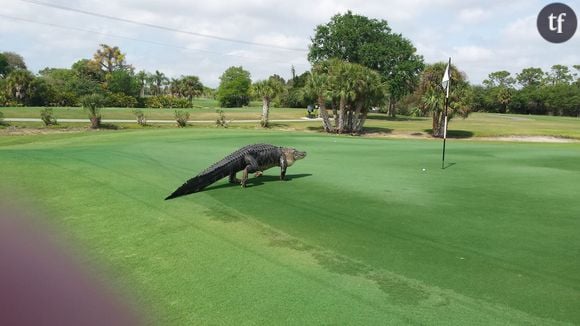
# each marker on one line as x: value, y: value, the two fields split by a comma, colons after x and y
x: 265, y: 37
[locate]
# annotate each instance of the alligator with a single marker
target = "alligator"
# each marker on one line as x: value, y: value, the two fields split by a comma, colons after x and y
x: 249, y: 159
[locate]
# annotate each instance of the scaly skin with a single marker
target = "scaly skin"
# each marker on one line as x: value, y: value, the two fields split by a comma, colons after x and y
x: 249, y: 159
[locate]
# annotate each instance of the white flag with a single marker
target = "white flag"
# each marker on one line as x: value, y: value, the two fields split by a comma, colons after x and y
x: 445, y: 82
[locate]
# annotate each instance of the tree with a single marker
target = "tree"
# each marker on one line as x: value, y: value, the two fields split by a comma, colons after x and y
x: 432, y: 95
x: 530, y: 77
x: 142, y: 82
x: 371, y: 43
x: 110, y: 58
x: 4, y: 66
x: 93, y: 104
x: 124, y: 82
x: 317, y: 86
x: 267, y: 90
x: 18, y: 84
x: 499, y: 79
x: 234, y: 88
x: 187, y: 86
x: 559, y: 74
x: 351, y: 88
x: 15, y: 61
x: 158, y: 82
x: 500, y: 86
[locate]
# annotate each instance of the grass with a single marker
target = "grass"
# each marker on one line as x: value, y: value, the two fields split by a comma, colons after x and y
x: 477, y: 125
x: 360, y: 234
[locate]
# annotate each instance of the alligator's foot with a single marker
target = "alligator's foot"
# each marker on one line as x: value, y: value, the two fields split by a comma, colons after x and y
x: 259, y: 173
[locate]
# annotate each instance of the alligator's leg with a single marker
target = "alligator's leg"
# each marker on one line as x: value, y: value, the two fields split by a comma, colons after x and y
x: 233, y: 178
x: 251, y: 167
x: 283, y: 166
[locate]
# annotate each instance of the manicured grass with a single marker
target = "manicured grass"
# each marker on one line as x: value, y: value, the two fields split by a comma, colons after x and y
x: 477, y: 125
x: 360, y: 234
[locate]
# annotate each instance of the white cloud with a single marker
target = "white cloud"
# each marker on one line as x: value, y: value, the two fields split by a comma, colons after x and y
x: 473, y: 15
x: 480, y: 39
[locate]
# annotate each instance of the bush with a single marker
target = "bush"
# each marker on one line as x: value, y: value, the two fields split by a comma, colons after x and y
x: 120, y: 100
x: 166, y: 101
x: 140, y: 115
x: 2, y: 123
x: 221, y: 120
x: 48, y: 117
x: 181, y: 118
x: 93, y: 104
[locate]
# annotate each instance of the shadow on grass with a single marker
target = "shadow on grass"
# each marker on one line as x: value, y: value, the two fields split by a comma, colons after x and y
x: 109, y: 126
x: 397, y: 118
x: 258, y: 181
x: 448, y: 165
x: 457, y: 134
x: 365, y: 130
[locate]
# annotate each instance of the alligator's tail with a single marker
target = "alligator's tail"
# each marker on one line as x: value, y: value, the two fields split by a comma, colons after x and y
x: 202, y: 180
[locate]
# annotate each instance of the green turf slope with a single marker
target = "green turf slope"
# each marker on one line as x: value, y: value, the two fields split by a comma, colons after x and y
x: 360, y: 234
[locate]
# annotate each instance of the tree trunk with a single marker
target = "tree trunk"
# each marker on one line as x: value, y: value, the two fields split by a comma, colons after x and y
x: 438, y: 124
x: 357, y: 125
x: 392, y: 111
x: 335, y: 114
x: 324, y: 115
x: 265, y: 112
x: 341, y: 112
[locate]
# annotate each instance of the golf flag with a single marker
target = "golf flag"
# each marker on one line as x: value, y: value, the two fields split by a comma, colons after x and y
x: 446, y: 80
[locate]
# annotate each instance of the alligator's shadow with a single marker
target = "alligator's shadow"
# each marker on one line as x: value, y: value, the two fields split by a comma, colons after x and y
x: 258, y: 181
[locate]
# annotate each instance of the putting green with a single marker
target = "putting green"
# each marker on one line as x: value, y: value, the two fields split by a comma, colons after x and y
x: 360, y: 234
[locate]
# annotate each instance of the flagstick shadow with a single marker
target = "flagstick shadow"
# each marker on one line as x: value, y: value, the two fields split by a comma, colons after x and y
x: 448, y: 165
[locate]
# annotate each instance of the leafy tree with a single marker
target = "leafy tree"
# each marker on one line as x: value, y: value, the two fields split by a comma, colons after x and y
x: 122, y: 81
x: 15, y: 61
x: 559, y: 74
x: 371, y: 43
x: 234, y: 88
x: 41, y: 93
x: 499, y: 79
x: 88, y: 70
x: 267, y: 90
x: 530, y: 77
x: 109, y: 58
x: 4, y: 66
x: 500, y: 86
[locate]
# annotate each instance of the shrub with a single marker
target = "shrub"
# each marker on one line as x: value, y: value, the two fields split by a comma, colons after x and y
x: 140, y: 116
x: 2, y: 123
x: 47, y: 116
x: 221, y: 120
x: 166, y: 101
x: 120, y: 100
x: 93, y: 104
x: 181, y: 118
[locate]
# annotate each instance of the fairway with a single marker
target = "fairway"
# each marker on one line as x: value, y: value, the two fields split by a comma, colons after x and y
x: 365, y: 231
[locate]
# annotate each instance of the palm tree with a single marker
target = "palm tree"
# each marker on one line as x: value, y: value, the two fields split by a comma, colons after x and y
x: 267, y: 90
x: 18, y: 83
x: 158, y: 81
x: 317, y: 87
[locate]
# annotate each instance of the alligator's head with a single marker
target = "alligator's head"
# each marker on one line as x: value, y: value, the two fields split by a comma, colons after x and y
x: 293, y: 155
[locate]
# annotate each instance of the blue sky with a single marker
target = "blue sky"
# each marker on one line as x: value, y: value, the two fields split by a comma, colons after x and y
x: 480, y: 36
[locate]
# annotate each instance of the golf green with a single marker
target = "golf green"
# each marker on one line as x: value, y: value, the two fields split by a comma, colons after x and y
x: 365, y: 231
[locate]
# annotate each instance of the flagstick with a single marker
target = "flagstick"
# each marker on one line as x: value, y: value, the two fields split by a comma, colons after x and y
x: 445, y: 114
x: 444, y: 133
